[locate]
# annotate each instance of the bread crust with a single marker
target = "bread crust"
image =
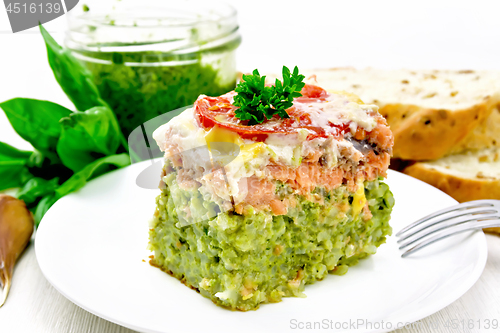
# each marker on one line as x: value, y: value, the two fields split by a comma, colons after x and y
x: 426, y: 134
x: 495, y: 231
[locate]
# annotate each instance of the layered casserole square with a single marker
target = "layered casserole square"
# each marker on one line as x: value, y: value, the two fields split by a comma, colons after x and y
x: 249, y: 214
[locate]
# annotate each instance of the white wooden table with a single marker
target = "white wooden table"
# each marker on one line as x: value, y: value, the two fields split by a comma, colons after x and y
x: 432, y: 34
x: 35, y: 306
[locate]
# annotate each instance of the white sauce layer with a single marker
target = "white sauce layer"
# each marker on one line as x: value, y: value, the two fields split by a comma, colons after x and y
x: 339, y: 109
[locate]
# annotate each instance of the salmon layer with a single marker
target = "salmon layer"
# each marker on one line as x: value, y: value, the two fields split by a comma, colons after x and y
x: 304, y: 179
x: 261, y: 192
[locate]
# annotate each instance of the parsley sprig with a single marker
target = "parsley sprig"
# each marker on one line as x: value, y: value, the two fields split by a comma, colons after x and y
x: 258, y: 102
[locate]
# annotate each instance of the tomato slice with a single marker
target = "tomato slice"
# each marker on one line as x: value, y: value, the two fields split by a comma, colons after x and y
x: 312, y: 93
x: 219, y: 111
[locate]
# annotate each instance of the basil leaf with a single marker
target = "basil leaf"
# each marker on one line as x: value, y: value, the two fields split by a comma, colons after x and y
x: 7, y: 152
x: 72, y: 76
x: 37, y: 122
x: 13, y: 170
x: 87, y: 136
x: 43, y: 206
x: 36, y: 188
x: 79, y: 179
x: 13, y: 175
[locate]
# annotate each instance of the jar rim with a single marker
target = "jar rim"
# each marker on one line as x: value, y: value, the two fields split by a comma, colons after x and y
x: 155, y: 25
x: 91, y: 15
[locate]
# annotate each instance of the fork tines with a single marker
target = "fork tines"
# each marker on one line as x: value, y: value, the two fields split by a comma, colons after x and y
x: 455, y: 219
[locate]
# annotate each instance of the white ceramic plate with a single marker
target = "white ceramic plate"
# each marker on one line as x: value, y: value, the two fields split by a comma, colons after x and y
x: 91, y: 246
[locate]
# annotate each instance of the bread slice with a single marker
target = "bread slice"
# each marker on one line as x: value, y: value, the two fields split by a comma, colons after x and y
x: 431, y: 113
x: 467, y: 176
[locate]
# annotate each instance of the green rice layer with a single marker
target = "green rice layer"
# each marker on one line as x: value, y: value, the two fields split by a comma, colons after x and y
x: 242, y: 261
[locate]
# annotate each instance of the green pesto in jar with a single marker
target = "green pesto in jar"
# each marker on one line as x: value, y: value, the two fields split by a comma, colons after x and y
x: 140, y: 93
x: 150, y: 59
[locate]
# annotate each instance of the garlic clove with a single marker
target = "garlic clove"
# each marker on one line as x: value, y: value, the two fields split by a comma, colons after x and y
x: 16, y: 228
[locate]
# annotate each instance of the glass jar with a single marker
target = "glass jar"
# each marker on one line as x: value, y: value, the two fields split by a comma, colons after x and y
x: 149, y: 58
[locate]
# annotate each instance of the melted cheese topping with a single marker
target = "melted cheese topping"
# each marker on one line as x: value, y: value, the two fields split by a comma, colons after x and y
x: 340, y: 109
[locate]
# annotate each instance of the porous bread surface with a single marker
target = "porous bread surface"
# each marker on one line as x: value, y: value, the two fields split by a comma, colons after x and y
x: 482, y: 164
x: 486, y: 134
x: 468, y: 176
x: 434, y: 89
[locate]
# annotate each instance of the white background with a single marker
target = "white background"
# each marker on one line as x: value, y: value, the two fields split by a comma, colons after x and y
x: 307, y: 33
x: 310, y: 34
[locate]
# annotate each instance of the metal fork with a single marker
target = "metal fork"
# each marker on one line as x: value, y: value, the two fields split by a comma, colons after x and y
x: 466, y: 216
